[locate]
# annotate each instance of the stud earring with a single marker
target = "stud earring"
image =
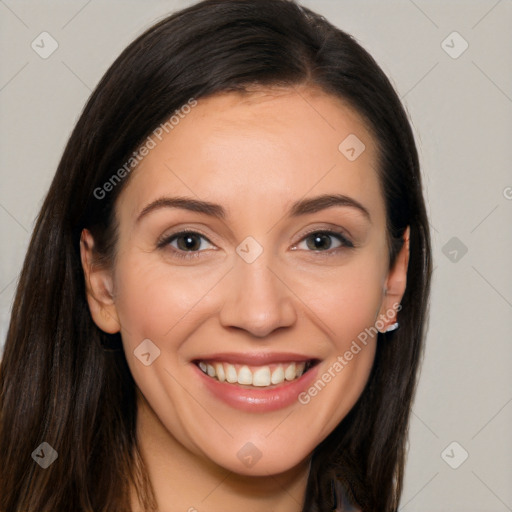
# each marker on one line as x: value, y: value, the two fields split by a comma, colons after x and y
x: 391, y: 327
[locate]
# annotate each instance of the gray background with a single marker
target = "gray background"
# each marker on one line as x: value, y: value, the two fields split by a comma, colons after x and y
x: 461, y: 109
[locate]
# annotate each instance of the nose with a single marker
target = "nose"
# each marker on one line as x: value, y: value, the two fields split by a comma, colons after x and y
x: 257, y: 299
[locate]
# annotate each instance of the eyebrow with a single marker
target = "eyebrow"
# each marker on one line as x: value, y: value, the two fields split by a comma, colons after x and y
x: 301, y: 207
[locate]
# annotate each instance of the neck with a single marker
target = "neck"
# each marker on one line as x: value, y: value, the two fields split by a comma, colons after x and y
x: 183, y: 481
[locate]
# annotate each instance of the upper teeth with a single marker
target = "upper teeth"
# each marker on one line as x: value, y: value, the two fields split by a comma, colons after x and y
x: 253, y: 376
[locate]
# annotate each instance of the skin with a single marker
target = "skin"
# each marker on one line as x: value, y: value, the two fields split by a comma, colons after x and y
x: 255, y: 155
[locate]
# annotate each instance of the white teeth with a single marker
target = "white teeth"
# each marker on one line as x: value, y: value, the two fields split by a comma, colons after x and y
x: 219, y: 368
x: 261, y: 376
x: 289, y: 373
x: 277, y: 375
x: 231, y: 375
x: 245, y: 376
x: 210, y: 370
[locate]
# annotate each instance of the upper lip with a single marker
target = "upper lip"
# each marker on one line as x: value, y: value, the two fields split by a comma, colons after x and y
x: 256, y: 358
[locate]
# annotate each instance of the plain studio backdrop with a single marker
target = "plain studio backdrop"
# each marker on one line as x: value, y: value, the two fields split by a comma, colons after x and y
x: 451, y: 64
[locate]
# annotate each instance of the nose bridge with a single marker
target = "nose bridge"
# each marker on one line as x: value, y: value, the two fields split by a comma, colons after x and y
x: 257, y: 299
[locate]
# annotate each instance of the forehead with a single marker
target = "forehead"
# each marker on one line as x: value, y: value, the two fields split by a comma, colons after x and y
x: 260, y: 148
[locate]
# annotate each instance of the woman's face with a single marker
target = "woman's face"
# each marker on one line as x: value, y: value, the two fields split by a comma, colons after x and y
x: 281, y: 276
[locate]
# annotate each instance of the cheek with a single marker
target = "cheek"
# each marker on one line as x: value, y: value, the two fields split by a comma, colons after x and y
x: 347, y: 302
x: 155, y: 300
x: 350, y: 313
x: 347, y: 298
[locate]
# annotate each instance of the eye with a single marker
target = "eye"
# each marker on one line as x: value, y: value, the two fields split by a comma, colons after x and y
x: 189, y: 244
x: 322, y: 241
x: 185, y: 242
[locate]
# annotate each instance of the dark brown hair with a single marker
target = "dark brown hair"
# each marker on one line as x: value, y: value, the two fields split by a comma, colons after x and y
x: 65, y: 382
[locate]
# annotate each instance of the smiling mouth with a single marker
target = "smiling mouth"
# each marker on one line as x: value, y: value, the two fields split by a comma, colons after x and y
x: 265, y: 376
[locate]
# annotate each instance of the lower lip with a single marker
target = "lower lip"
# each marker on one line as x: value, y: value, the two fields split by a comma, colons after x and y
x: 258, y: 400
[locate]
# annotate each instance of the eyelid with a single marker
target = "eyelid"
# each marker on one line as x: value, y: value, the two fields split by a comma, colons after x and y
x: 345, y: 241
x: 338, y: 233
x: 166, y: 239
x: 332, y: 230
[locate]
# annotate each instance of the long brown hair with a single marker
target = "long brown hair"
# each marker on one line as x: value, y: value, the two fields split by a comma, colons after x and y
x: 65, y: 382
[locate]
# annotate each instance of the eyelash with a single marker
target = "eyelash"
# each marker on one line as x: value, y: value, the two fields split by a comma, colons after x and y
x: 345, y: 243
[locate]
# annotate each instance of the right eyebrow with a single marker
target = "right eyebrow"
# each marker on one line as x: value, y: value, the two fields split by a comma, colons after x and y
x: 186, y: 203
x: 301, y: 207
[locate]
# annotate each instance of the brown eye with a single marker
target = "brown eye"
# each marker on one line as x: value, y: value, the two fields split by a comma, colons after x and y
x: 185, y: 242
x: 321, y: 241
x: 188, y: 241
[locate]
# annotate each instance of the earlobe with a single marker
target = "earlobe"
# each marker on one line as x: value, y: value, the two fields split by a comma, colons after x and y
x: 99, y: 287
x: 395, y: 285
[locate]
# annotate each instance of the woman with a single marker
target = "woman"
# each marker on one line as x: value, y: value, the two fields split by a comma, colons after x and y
x: 224, y: 299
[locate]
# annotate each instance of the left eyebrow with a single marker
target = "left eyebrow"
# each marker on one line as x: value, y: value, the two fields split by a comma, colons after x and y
x: 301, y: 207
x: 318, y: 203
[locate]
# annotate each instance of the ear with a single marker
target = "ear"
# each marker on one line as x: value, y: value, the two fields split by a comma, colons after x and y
x: 395, y: 284
x: 99, y: 287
